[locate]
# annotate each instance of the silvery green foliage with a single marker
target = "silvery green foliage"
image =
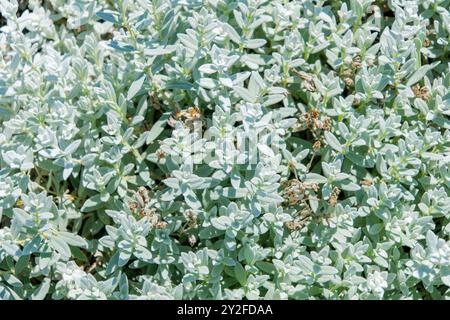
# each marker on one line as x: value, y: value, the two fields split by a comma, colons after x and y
x: 224, y: 149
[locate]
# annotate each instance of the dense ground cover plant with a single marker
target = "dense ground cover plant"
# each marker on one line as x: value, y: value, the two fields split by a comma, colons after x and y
x: 224, y: 149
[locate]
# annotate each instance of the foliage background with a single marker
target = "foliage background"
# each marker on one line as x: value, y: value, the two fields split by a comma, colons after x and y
x: 104, y: 188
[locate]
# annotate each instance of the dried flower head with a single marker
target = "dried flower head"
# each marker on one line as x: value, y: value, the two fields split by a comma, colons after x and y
x: 127, y: 131
x: 334, y: 196
x: 192, y: 113
x: 316, y: 145
x: 19, y: 203
x: 356, y: 62
x: 308, y: 81
x: 421, y: 92
x: 133, y: 205
x: 191, y: 218
x: 296, y: 191
x: 192, y: 240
